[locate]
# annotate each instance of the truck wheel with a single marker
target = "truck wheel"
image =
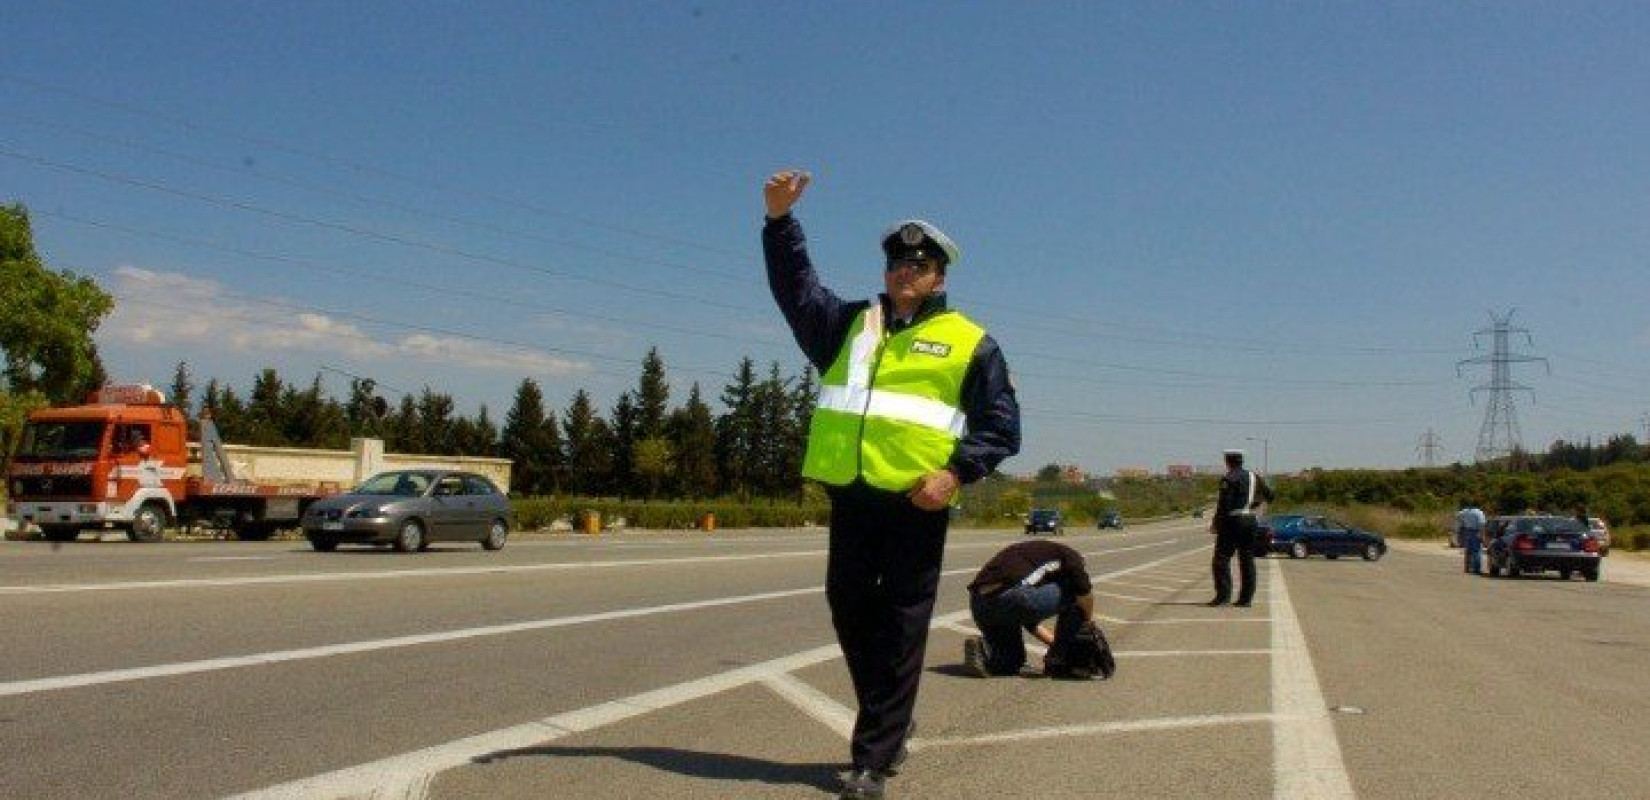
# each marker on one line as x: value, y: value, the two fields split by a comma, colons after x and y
x: 148, y: 524
x: 411, y: 537
x: 60, y: 533
x: 497, y: 532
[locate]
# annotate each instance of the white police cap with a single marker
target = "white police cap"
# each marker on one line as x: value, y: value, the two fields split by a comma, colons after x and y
x: 914, y: 237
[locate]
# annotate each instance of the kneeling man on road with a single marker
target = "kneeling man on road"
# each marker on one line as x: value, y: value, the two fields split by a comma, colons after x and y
x: 1020, y: 587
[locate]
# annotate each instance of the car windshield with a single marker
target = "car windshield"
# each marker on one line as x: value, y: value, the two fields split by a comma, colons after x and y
x: 403, y: 484
x: 1043, y: 515
x: 1286, y: 522
x: 57, y: 441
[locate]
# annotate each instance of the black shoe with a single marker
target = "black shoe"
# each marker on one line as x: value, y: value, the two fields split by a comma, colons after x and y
x: 864, y: 784
x: 1242, y: 604
x: 1218, y: 601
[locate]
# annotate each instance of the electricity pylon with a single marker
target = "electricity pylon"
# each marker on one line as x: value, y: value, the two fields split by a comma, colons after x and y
x: 1499, y: 435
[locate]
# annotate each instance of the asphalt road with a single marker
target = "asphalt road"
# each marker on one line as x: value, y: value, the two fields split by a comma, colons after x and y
x: 689, y: 665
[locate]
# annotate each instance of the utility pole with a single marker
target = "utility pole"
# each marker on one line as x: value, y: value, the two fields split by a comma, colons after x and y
x: 1499, y: 436
x: 1431, y: 444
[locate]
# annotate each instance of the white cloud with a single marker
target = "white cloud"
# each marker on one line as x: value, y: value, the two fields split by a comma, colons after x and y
x: 175, y: 311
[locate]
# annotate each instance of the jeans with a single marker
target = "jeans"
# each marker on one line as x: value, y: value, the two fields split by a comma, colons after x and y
x: 1472, y: 551
x: 1001, y: 618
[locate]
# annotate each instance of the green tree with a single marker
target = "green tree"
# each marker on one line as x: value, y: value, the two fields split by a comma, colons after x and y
x: 532, y: 441
x: 655, y: 462
x: 693, y: 436
x: 47, y: 319
x: 589, y: 464
x: 736, y: 432
x: 183, y: 389
x: 652, y: 397
x: 624, y: 426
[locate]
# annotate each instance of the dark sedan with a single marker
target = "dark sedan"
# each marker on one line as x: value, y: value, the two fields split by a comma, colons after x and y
x: 1302, y: 535
x: 1045, y: 520
x: 409, y: 509
x: 1520, y: 545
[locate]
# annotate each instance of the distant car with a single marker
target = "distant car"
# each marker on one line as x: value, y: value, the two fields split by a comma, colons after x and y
x: 1045, y: 520
x: 1303, y: 535
x: 410, y: 509
x: 1601, y: 532
x: 1111, y: 519
x: 1523, y: 545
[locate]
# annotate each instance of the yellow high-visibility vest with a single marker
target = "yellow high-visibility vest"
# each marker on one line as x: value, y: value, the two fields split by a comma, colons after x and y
x: 890, y: 406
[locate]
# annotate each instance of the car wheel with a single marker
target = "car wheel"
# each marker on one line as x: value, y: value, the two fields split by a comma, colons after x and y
x: 496, y: 534
x: 1565, y: 574
x: 148, y: 524
x: 1298, y: 550
x: 1331, y: 556
x: 1372, y: 552
x: 411, y: 537
x: 1590, y: 574
x: 60, y: 533
x: 1513, y: 570
x: 323, y: 544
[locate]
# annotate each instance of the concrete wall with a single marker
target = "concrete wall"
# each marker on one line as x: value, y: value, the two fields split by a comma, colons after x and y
x: 293, y: 465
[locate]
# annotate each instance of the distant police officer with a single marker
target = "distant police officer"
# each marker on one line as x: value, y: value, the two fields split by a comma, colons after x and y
x: 1234, y: 526
x: 1469, y: 531
x: 914, y: 401
x: 1020, y: 587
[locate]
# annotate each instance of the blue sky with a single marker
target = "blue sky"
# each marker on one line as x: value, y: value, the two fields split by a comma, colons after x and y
x: 1190, y: 225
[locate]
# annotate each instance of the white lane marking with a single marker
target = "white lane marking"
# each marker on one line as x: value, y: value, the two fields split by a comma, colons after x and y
x: 402, y: 769
x: 435, y: 572
x: 35, y: 685
x: 1190, y: 621
x: 1152, y: 586
x: 234, y: 558
x: 1129, y: 597
x: 1306, y: 756
x: 813, y: 702
x: 1129, y: 726
x: 438, y: 572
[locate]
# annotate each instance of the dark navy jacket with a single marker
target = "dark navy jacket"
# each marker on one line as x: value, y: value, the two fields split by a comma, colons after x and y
x: 820, y: 321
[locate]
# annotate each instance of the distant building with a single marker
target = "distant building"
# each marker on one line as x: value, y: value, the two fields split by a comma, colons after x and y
x: 1133, y: 472
x: 1073, y: 474
x: 1180, y: 470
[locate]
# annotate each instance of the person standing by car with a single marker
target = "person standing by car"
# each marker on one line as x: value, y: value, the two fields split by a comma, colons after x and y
x: 1234, y: 527
x: 1469, y: 531
x: 1020, y: 587
x: 914, y: 401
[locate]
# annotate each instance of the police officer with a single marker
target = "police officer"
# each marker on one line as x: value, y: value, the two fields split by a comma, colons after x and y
x: 1022, y: 585
x: 1234, y: 526
x: 914, y: 401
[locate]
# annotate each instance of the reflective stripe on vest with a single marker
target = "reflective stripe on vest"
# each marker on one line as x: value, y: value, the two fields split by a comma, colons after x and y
x: 909, y: 423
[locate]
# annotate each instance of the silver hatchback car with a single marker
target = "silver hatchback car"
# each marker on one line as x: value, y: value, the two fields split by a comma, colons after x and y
x: 410, y: 509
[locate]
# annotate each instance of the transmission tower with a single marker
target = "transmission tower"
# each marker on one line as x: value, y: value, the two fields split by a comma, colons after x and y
x: 1499, y: 435
x: 1431, y: 444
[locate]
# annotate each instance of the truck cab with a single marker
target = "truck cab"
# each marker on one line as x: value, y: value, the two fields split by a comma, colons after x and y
x: 116, y: 462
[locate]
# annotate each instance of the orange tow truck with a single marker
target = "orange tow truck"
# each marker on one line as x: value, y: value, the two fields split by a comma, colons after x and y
x: 123, y: 461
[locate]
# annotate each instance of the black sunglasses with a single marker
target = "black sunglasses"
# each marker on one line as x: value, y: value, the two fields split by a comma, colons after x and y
x: 921, y: 266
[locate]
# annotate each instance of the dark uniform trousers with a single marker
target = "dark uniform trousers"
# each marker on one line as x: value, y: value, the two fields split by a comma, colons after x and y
x: 880, y: 579
x: 1234, y: 534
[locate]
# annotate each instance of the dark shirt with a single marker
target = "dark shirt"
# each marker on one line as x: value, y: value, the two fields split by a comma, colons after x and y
x: 1054, y: 562
x: 1234, y: 493
x: 820, y: 320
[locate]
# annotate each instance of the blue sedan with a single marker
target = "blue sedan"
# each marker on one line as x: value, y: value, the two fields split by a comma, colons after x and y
x: 1302, y: 535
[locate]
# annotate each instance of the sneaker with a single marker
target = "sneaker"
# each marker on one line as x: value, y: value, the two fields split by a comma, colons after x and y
x: 974, y: 657
x: 864, y: 784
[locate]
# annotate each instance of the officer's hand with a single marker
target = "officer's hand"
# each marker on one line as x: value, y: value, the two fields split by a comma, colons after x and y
x: 933, y: 491
x: 783, y: 189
